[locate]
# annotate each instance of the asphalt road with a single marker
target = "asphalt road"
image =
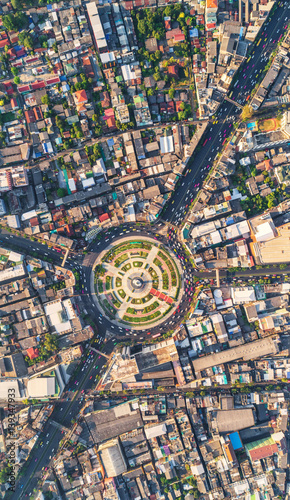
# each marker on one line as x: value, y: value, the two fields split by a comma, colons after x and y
x: 215, y: 135
x: 65, y: 410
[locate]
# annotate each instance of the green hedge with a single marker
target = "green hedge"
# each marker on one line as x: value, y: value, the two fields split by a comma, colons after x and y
x: 139, y: 319
x: 121, y: 259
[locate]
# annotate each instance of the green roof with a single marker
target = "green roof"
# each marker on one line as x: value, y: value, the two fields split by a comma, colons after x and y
x: 260, y: 443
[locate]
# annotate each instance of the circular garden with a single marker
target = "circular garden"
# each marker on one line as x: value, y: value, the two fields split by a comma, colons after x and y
x: 137, y: 283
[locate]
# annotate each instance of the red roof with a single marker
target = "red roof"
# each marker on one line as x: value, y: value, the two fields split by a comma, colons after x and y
x: 33, y: 222
x: 32, y: 353
x: 173, y: 33
x: 53, y: 81
x: 111, y: 123
x: 3, y: 43
x: 31, y: 59
x: 14, y: 103
x: 69, y: 230
x: 29, y: 116
x: 81, y: 96
x: 108, y: 113
x: 173, y: 70
x: 179, y: 38
x: 21, y: 52
x: 24, y: 88
x: 11, y: 53
x: 38, y: 113
x: 263, y: 452
x: 104, y: 217
x: 38, y: 85
x: 40, y: 49
x: 8, y: 88
x: 170, y: 107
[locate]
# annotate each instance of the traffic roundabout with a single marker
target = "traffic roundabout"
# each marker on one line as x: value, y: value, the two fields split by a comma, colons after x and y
x: 137, y: 283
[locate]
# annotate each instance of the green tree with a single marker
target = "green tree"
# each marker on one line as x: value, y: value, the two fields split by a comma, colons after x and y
x: 45, y: 100
x: 26, y: 39
x: 247, y: 112
x: 171, y: 93
x: 61, y: 192
x: 4, y: 472
x: 16, y: 80
x: 16, y: 4
x: 14, y: 71
x: 51, y: 342
x: 10, y: 22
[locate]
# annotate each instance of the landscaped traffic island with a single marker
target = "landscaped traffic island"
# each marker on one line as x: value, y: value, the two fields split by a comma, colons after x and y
x: 137, y: 283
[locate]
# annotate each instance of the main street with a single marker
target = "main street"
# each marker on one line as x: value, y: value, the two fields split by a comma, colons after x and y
x: 42, y: 455
x: 216, y: 133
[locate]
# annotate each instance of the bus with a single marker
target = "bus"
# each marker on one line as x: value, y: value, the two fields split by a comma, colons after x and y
x: 249, y: 58
x: 259, y: 42
x: 205, y: 142
x: 231, y: 94
x: 248, y: 97
x: 156, y: 335
x: 224, y: 142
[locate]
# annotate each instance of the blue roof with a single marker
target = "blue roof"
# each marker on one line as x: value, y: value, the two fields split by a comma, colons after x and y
x: 49, y: 7
x: 110, y: 142
x: 63, y: 78
x: 235, y: 440
x: 229, y: 221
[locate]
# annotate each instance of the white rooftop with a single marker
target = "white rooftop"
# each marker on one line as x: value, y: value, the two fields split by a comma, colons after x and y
x: 243, y: 295
x: 39, y: 387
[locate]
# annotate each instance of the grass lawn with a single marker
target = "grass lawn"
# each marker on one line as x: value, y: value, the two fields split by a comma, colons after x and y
x: 8, y: 117
x: 268, y: 125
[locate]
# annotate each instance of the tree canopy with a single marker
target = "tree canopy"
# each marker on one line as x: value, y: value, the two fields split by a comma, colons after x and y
x: 15, y: 22
x: 247, y: 112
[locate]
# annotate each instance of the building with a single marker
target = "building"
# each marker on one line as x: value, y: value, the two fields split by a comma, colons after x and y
x: 257, y: 349
x: 243, y: 295
x: 41, y: 387
x: 261, y: 449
